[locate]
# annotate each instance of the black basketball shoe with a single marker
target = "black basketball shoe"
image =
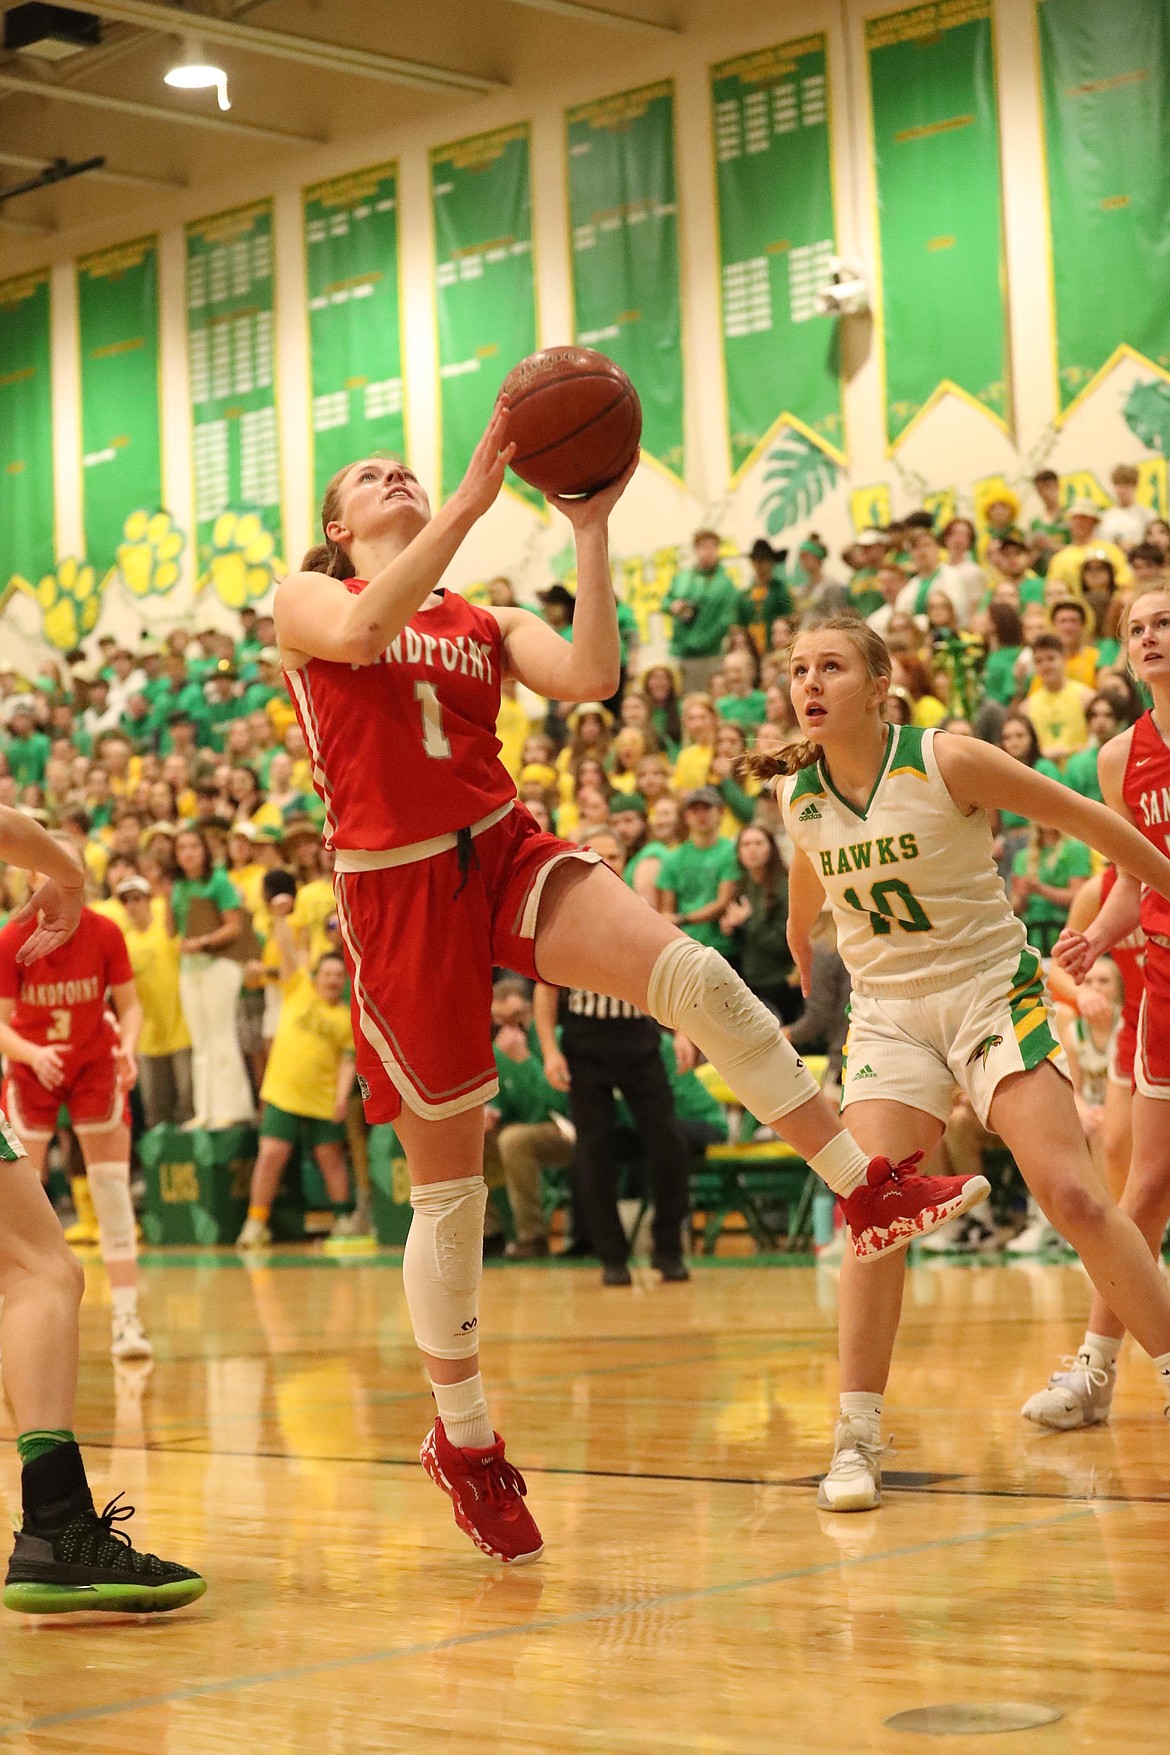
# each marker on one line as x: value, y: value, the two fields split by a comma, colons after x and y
x: 85, y: 1563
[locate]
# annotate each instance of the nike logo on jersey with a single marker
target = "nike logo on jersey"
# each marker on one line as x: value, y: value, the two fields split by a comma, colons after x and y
x: 984, y: 1049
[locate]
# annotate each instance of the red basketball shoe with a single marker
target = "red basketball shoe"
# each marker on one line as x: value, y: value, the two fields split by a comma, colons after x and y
x: 488, y: 1496
x: 893, y: 1207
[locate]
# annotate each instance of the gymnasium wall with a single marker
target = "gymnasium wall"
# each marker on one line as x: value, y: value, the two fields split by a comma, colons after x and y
x: 815, y: 424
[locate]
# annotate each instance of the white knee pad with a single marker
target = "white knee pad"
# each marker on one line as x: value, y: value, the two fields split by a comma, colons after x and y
x: 694, y: 990
x: 442, y: 1265
x: 109, y: 1185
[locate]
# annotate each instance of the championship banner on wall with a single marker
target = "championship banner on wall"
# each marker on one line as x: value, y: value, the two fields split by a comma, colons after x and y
x: 121, y: 454
x: 1104, y: 68
x: 27, y: 540
x: 235, y: 439
x: 623, y: 213
x: 355, y: 343
x: 774, y: 188
x: 485, y: 292
x: 936, y: 155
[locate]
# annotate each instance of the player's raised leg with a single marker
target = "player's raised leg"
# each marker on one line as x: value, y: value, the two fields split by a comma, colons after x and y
x: 441, y: 1270
x: 66, y: 1556
x: 594, y: 932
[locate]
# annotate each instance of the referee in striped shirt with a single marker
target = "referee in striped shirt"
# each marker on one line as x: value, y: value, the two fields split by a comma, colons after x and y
x: 606, y: 1045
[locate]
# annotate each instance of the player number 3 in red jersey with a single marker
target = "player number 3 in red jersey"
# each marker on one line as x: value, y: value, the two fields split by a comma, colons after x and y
x: 440, y: 873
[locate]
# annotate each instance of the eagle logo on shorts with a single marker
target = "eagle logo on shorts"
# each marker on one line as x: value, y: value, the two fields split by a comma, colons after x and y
x: 984, y: 1049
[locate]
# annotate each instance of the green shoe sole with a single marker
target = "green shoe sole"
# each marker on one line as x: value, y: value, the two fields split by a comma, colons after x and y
x: 116, y: 1599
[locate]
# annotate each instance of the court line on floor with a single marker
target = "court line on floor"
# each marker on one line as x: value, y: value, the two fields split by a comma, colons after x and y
x: 553, y: 1624
x: 802, y: 1483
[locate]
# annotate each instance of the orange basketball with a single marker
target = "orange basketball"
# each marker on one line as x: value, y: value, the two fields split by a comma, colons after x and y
x: 575, y: 419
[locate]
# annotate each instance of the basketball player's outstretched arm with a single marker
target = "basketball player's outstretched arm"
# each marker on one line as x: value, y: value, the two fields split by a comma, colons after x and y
x: 588, y: 668
x: 56, y: 905
x: 982, y: 777
x: 318, y: 616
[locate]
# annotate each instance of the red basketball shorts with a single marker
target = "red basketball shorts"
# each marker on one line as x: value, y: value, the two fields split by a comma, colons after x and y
x: 91, y: 1093
x: 1152, y: 1061
x: 421, y: 941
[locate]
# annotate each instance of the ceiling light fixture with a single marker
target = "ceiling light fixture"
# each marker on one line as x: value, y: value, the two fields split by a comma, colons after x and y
x: 195, y: 73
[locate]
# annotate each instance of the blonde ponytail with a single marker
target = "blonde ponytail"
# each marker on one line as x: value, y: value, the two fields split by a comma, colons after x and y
x: 802, y: 753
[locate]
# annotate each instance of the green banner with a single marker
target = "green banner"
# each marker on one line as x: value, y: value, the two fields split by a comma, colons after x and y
x: 27, y: 540
x: 355, y: 345
x: 936, y: 156
x: 235, y: 439
x: 121, y: 454
x: 623, y: 210
x: 1105, y: 66
x: 485, y: 289
x: 777, y: 231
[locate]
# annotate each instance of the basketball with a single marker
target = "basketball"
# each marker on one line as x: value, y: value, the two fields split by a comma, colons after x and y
x: 575, y: 419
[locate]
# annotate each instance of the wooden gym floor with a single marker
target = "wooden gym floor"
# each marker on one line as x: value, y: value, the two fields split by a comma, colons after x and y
x: 691, y: 1597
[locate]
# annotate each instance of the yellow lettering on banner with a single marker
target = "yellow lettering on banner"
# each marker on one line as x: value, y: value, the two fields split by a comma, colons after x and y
x: 947, y: 242
x: 1092, y: 86
x: 618, y: 112
x: 1152, y: 485
x: 1114, y: 203
x: 224, y: 227
x: 15, y: 292
x: 178, y: 1183
x: 116, y: 347
x: 923, y: 21
x: 113, y: 264
x: 20, y: 377
x: 1082, y: 484
x: 929, y: 128
x: 350, y: 190
x: 870, y: 507
x: 765, y: 66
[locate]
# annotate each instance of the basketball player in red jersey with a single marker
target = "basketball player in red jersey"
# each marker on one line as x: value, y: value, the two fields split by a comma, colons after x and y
x: 63, y: 1047
x: 66, y: 1556
x: 441, y: 873
x: 1134, y: 773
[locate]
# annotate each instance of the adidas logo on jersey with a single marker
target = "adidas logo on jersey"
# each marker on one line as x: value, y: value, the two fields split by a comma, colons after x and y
x: 810, y: 814
x: 865, y: 1072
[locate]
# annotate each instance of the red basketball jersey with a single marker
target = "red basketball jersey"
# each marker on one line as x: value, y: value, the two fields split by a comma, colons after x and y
x: 1127, y: 954
x: 1146, y: 790
x: 61, y: 998
x: 405, y: 748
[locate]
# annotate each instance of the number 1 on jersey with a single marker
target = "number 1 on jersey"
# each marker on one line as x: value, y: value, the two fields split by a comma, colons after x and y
x: 434, y: 740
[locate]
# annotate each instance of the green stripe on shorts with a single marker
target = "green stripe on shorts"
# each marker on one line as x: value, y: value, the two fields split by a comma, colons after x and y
x: 1031, y: 1019
x: 10, y: 1147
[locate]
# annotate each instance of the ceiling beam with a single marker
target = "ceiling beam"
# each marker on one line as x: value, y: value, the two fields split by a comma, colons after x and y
x: 19, y: 162
x: 100, y: 100
x: 284, y: 46
x: 585, y: 14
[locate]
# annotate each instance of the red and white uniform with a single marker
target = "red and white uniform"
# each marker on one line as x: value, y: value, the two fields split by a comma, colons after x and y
x: 439, y: 870
x: 1129, y: 955
x: 1146, y: 790
x: 60, y: 1002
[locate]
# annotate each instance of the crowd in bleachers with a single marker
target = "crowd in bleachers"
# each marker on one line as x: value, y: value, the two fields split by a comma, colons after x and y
x: 178, y: 769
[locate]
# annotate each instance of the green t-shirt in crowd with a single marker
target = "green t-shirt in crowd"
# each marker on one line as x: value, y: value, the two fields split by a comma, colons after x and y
x: 999, y: 675
x: 652, y: 850
x: 1046, y: 527
x: 1080, y: 773
x: 758, y: 607
x: 217, y: 888
x: 1067, y: 859
x: 525, y: 1095
x: 693, y: 875
x: 747, y: 710
x: 28, y: 758
x: 716, y: 602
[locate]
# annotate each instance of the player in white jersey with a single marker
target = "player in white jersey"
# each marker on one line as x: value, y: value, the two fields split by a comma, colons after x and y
x: 891, y: 824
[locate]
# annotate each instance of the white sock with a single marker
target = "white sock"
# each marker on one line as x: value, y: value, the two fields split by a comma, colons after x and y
x: 124, y: 1300
x: 463, y: 1410
x: 1106, y: 1347
x: 859, y: 1404
x: 842, y: 1164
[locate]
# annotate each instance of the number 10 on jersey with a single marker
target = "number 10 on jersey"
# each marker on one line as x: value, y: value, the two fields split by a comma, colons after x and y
x: 434, y: 739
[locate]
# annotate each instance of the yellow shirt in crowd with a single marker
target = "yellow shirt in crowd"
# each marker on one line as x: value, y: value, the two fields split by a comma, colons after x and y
x: 1065, y: 566
x: 1058, y: 718
x: 113, y: 910
x: 311, y: 1040
x: 154, y: 958
x: 314, y: 905
x: 512, y: 727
